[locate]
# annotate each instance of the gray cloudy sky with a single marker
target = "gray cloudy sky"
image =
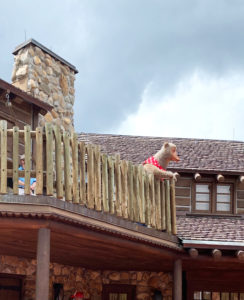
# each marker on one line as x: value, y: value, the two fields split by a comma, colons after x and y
x: 146, y: 67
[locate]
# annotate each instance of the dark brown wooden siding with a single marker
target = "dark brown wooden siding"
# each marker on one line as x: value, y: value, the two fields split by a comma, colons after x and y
x: 185, y: 198
x: 20, y: 113
x: 183, y: 194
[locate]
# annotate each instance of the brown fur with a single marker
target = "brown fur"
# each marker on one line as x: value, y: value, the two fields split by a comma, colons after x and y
x: 166, y: 154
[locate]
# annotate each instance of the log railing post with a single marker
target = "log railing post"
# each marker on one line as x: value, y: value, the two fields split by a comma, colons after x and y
x: 173, y: 206
x: 27, y: 139
x: 42, y: 266
x: 3, y: 184
x: 177, y: 285
x: 168, y: 206
x: 39, y: 160
x: 15, y: 160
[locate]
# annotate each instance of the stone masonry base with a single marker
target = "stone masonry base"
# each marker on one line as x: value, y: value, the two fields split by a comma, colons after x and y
x: 90, y: 282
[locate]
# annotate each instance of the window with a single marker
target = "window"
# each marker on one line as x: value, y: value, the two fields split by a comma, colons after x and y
x: 223, y: 200
x: 202, y: 197
x: 213, y: 197
x: 10, y: 287
x: 118, y: 292
x: 204, y: 295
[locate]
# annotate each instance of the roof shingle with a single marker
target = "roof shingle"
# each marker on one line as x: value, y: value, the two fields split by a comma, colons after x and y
x: 210, y: 228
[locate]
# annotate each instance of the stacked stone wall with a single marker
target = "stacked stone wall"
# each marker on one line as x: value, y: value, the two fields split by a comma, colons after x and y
x: 90, y: 282
x: 49, y: 80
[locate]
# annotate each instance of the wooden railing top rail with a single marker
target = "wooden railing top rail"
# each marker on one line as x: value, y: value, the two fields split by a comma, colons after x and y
x: 80, y: 173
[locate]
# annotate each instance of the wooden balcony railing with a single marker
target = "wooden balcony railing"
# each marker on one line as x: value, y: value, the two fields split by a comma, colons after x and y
x: 77, y: 172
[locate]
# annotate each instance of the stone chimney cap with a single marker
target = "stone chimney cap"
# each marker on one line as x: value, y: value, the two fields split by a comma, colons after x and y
x: 46, y: 50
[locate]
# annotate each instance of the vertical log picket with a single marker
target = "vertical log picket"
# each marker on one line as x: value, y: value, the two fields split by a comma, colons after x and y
x: 130, y: 191
x: 111, y: 193
x: 167, y: 200
x: 105, y: 183
x: 90, y: 175
x: 58, y: 163
x: 27, y: 139
x: 157, y: 204
x: 147, y: 201
x: 15, y: 159
x: 142, y: 194
x: 97, y: 174
x: 152, y: 204
x: 75, y: 168
x: 3, y: 128
x: 49, y: 158
x: 118, y: 208
x: 163, y: 207
x: 39, y: 161
x: 82, y: 168
x: 173, y: 206
x: 67, y: 183
x: 136, y: 194
x: 124, y: 184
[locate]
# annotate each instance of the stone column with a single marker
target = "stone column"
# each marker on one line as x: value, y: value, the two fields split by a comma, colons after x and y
x: 177, y: 285
x: 43, y: 261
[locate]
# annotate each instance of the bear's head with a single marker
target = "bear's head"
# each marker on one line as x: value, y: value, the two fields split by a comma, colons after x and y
x: 169, y: 152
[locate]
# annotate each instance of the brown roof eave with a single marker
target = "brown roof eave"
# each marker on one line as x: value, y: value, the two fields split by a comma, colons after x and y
x: 26, y: 97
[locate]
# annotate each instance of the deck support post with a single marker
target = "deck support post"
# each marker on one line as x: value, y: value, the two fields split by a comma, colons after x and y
x: 42, y: 266
x: 177, y: 285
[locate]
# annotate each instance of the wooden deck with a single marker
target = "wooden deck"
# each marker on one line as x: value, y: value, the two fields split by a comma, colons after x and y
x: 79, y: 173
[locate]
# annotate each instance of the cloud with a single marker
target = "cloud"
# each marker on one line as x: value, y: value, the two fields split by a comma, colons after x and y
x: 120, y: 46
x: 201, y: 106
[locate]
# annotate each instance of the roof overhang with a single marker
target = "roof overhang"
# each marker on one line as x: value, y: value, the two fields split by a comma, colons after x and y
x: 91, y: 236
x: 16, y: 92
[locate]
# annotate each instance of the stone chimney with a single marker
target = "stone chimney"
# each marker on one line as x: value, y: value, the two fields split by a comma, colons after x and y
x: 43, y: 74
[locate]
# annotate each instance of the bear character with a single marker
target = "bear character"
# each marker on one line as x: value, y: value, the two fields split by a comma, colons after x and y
x: 157, y: 164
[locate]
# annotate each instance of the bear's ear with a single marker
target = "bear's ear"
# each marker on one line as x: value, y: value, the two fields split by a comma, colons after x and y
x: 166, y: 145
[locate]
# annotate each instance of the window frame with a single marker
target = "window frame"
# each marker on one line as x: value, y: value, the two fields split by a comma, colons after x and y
x: 213, y: 196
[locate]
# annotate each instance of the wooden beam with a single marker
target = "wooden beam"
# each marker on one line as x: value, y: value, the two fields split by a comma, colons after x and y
x: 241, y: 178
x: 193, y: 252
x: 42, y: 266
x: 177, y: 289
x: 220, y: 178
x: 216, y: 253
x: 197, y: 176
x: 240, y: 254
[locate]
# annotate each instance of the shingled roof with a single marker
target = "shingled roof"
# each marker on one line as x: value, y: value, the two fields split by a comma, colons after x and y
x: 207, y: 156
x: 210, y: 228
